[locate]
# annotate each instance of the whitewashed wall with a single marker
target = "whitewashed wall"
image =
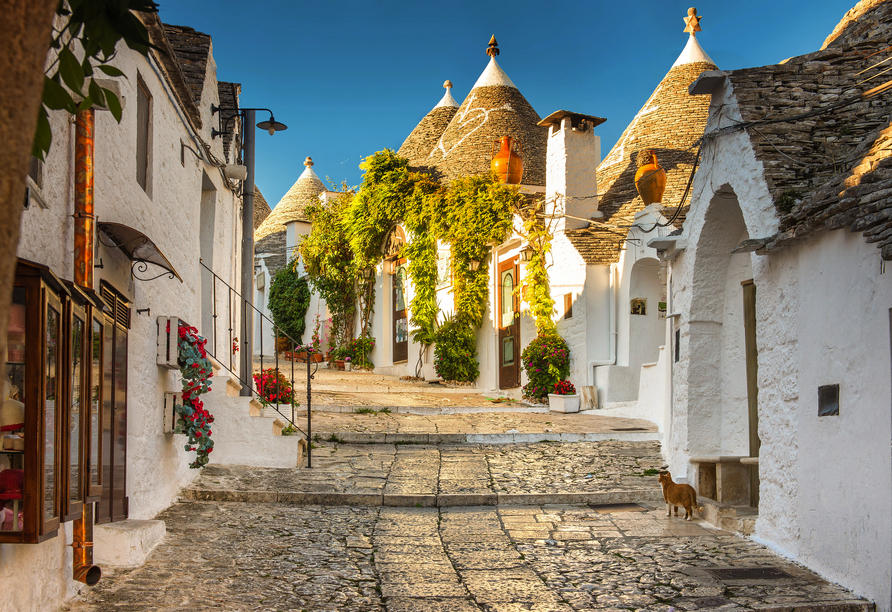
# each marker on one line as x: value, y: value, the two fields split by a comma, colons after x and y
x: 823, y: 316
x: 37, y: 577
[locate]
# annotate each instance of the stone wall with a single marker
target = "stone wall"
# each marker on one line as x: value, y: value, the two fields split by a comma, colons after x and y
x: 168, y: 213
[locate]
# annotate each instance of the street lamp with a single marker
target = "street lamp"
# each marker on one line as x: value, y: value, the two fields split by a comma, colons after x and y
x: 272, y: 126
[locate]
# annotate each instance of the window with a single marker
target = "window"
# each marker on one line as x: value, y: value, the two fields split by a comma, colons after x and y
x: 143, y: 129
x: 568, y: 305
x: 828, y: 400
x: 35, y: 171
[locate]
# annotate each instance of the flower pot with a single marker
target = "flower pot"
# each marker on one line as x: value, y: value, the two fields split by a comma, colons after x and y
x: 348, y: 366
x: 563, y: 403
x: 339, y: 363
x: 316, y: 357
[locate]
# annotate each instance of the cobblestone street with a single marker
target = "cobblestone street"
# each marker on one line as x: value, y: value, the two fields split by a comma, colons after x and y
x: 550, y: 558
x: 539, y: 527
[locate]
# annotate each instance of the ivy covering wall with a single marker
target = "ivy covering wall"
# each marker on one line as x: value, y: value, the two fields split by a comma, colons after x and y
x: 289, y: 300
x: 470, y: 215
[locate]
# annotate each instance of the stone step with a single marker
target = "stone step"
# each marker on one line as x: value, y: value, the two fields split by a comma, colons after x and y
x: 433, y: 410
x: 350, y: 437
x: 358, y: 498
x: 736, y: 519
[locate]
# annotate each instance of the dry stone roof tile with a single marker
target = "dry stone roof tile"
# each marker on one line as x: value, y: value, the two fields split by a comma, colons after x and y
x: 292, y: 206
x: 670, y: 122
x: 192, y: 49
x: 271, y: 249
x: 261, y: 208
x: 833, y: 170
x: 228, y: 94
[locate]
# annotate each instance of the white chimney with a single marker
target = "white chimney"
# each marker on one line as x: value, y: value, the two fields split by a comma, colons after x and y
x: 571, y: 182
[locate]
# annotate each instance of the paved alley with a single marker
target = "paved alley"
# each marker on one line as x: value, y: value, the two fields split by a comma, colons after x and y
x: 544, y: 558
x: 539, y: 527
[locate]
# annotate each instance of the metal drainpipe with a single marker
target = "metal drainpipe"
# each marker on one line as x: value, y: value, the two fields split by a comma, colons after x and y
x: 83, y: 198
x: 611, y: 331
x: 83, y: 569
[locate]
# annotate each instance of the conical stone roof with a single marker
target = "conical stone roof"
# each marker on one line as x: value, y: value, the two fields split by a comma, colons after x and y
x: 293, y: 204
x: 494, y: 108
x: 427, y: 133
x: 670, y: 122
x: 261, y: 208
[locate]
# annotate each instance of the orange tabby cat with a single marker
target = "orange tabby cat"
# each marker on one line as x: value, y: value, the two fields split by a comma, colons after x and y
x: 677, y: 495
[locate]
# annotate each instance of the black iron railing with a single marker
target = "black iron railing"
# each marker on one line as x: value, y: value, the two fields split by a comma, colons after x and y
x: 268, y: 393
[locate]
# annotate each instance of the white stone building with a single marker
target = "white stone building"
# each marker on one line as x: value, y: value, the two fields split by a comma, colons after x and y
x: 600, y: 262
x: 276, y: 241
x: 160, y: 196
x: 780, y: 382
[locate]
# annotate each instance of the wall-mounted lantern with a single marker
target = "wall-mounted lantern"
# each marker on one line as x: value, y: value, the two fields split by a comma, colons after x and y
x: 473, y: 265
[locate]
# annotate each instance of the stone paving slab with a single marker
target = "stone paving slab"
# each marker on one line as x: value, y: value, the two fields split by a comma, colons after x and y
x: 446, y: 475
x: 354, y: 427
x: 274, y: 557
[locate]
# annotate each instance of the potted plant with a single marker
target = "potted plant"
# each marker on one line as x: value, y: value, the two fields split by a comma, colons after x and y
x: 563, y: 397
x: 348, y: 365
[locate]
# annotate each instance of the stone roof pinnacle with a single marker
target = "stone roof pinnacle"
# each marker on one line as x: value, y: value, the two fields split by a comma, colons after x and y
x: 448, y: 100
x: 692, y: 22
x: 692, y: 52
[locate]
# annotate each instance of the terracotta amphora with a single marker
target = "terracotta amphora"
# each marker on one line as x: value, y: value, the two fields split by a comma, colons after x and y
x: 650, y: 180
x: 507, y: 163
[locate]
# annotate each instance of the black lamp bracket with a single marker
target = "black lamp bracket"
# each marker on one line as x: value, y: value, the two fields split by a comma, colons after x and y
x: 236, y: 112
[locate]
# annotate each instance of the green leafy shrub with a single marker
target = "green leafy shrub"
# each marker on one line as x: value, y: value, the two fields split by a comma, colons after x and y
x: 546, y: 360
x: 358, y: 351
x: 289, y: 299
x: 455, y: 354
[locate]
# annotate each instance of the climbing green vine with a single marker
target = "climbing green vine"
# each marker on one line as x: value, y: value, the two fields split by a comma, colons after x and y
x: 470, y: 216
x: 538, y: 234
x: 289, y: 300
x: 328, y: 261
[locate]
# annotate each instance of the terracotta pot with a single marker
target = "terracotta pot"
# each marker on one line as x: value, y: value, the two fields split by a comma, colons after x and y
x: 340, y: 364
x: 316, y: 357
x: 650, y: 180
x: 507, y: 163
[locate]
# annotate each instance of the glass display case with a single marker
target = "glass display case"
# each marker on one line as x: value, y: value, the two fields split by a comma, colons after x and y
x: 46, y: 443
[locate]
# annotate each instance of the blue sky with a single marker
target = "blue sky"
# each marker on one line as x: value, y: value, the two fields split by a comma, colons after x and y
x: 352, y: 78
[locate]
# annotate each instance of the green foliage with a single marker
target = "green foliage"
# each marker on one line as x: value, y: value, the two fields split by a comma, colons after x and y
x: 538, y: 294
x: 289, y: 300
x: 546, y: 360
x: 478, y: 213
x: 347, y: 237
x: 455, y: 354
x: 787, y: 200
x: 358, y: 350
x: 328, y: 261
x: 90, y: 29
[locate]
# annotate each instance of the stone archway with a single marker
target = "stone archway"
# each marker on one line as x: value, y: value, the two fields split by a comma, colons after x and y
x: 718, y: 409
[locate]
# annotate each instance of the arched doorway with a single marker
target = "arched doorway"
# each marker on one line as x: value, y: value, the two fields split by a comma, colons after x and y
x: 722, y: 390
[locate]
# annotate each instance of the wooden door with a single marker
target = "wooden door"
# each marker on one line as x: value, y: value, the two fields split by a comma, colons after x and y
x: 400, y: 311
x: 509, y: 325
x: 752, y: 383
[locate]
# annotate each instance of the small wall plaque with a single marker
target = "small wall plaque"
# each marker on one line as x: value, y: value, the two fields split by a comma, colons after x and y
x: 639, y: 306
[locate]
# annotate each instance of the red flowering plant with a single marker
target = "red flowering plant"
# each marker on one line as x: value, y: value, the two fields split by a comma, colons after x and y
x: 546, y: 361
x: 192, y: 417
x: 273, y: 388
x: 564, y: 387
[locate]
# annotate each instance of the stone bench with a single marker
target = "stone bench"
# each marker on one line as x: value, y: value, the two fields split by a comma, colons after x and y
x: 726, y: 479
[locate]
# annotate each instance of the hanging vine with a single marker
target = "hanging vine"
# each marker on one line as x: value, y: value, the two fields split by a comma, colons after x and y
x: 538, y: 232
x: 329, y: 263
x: 471, y: 215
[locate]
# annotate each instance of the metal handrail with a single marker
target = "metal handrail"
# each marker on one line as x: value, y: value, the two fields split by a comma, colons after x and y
x: 236, y: 302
